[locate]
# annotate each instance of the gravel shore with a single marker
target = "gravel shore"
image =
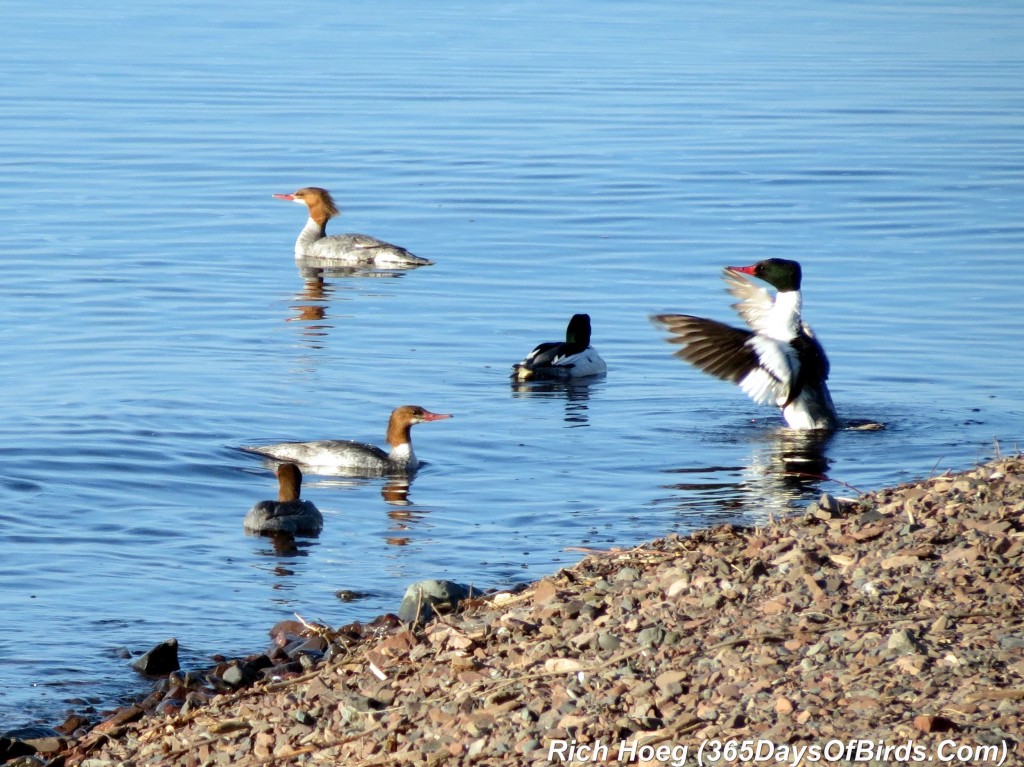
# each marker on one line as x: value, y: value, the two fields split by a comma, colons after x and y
x: 886, y: 629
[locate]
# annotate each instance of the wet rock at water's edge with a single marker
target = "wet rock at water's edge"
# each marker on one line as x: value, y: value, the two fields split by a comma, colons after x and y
x: 161, y: 660
x: 423, y: 596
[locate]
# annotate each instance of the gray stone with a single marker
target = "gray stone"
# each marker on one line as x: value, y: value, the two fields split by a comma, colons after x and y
x: 419, y: 600
x: 904, y: 642
x: 651, y: 637
x: 607, y: 641
x: 304, y: 717
x: 626, y: 575
x: 829, y: 503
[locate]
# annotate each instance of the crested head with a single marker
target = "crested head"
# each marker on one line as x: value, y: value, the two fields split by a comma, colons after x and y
x: 405, y: 417
x: 289, y: 480
x: 317, y: 199
x: 578, y: 330
x: 781, y: 273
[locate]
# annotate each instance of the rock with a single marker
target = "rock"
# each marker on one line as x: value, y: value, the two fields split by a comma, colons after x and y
x: 228, y: 725
x: 562, y: 665
x: 32, y: 732
x: 244, y: 673
x: 120, y: 718
x: 608, y: 641
x: 903, y: 642
x: 934, y: 724
x: 651, y: 637
x: 421, y: 598
x: 284, y: 632
x: 625, y: 575
x: 671, y: 683
x: 236, y: 676
x: 829, y: 502
x: 159, y: 661
x: 347, y: 595
x: 12, y: 748
x: 71, y: 723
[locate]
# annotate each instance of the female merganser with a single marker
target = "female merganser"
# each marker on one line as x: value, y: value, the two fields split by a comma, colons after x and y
x: 778, y: 360
x: 288, y: 514
x: 572, y: 358
x: 335, y: 456
x: 342, y: 249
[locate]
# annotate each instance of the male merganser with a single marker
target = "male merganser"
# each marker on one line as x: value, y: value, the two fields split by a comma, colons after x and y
x: 342, y: 249
x: 335, y: 456
x: 288, y: 514
x: 572, y: 358
x: 778, y: 360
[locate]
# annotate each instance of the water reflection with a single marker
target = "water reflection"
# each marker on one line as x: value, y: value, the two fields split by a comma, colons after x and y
x: 313, y: 268
x: 576, y: 393
x: 403, y: 522
x: 317, y: 293
x: 285, y: 545
x: 786, y: 468
x: 396, y: 491
x: 288, y: 552
x: 311, y: 307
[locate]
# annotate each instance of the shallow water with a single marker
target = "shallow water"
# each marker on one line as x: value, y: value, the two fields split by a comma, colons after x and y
x: 550, y: 161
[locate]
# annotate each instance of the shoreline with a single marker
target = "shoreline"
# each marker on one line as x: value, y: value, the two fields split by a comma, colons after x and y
x: 892, y: 621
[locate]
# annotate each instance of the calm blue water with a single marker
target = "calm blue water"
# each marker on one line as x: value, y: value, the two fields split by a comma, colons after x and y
x: 550, y: 160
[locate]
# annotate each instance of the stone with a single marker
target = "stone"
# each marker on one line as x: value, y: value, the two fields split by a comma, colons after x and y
x: 161, y: 660
x: 671, y: 683
x: 608, y: 641
x: 927, y: 723
x: 651, y: 637
x: 421, y: 598
x: 903, y: 641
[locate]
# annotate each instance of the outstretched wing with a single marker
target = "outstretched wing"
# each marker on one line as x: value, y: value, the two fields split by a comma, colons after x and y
x: 762, y: 367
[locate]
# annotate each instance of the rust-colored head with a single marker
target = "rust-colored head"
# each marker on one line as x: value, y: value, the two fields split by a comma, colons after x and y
x: 289, y: 480
x: 405, y: 417
x: 319, y: 201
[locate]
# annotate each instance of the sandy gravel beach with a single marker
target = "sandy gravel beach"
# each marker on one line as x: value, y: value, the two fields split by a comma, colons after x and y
x: 885, y: 629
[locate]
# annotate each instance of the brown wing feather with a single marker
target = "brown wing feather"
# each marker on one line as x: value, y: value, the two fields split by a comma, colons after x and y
x: 714, y: 347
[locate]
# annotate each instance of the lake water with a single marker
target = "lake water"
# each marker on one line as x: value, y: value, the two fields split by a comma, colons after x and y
x: 551, y: 159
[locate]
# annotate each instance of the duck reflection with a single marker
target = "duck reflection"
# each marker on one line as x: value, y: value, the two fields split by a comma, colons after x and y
x: 403, y: 521
x: 786, y: 469
x: 288, y: 552
x: 396, y: 491
x: 310, y: 304
x: 311, y: 307
x: 313, y: 268
x: 576, y: 394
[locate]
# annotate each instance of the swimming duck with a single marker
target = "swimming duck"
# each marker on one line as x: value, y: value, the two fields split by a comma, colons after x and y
x: 342, y: 249
x: 335, y: 456
x: 559, y: 360
x: 288, y: 514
